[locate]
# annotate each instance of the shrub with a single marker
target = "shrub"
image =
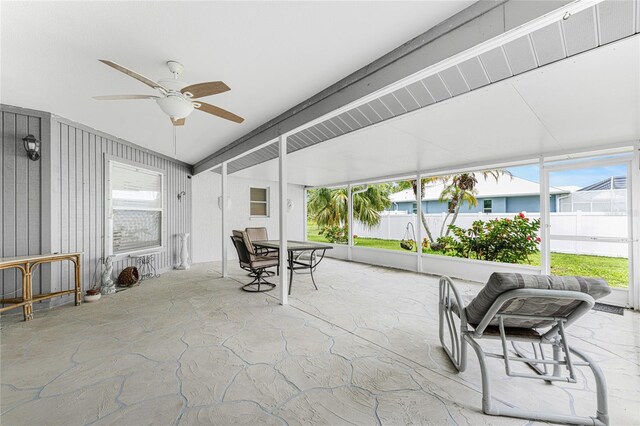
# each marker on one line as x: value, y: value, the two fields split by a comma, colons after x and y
x: 335, y: 234
x: 499, y: 240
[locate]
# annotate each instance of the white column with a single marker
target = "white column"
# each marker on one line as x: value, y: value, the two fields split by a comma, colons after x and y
x: 304, y: 215
x: 545, y: 244
x: 350, y: 221
x: 419, y: 222
x: 223, y: 207
x: 282, y: 213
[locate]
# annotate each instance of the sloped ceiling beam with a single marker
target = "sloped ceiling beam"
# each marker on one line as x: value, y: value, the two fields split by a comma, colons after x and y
x: 480, y: 22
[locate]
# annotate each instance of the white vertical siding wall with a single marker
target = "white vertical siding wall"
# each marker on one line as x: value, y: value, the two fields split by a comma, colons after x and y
x: 20, y: 203
x: 57, y: 204
x: 81, y: 205
x: 206, y: 213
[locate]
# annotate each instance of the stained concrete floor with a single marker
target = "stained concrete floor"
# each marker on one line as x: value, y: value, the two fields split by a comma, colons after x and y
x: 191, y: 348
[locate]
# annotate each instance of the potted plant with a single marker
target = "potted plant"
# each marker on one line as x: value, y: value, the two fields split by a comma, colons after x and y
x: 92, y: 295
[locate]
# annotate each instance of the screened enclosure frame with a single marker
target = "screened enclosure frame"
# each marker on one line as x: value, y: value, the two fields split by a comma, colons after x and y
x: 109, y: 160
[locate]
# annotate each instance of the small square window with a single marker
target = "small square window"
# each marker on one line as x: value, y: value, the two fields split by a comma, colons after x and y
x: 259, y: 202
x: 487, y: 206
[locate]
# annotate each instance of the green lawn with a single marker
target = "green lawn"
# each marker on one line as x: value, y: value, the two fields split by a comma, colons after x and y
x: 613, y: 269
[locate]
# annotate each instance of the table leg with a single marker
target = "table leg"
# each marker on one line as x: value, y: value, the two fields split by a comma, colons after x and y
x: 78, y: 267
x: 27, y: 309
x: 311, y: 268
x: 290, y: 270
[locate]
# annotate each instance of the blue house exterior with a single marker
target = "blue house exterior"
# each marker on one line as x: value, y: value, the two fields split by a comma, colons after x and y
x: 512, y: 204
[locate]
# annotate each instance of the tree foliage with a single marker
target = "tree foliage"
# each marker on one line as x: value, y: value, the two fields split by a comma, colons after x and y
x: 459, y: 190
x: 328, y: 208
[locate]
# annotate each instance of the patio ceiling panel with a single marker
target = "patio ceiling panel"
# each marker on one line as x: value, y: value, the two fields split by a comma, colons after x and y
x: 580, y: 32
x: 550, y: 44
x: 474, y: 73
x: 419, y: 93
x: 521, y: 56
x: 496, y: 64
x: 543, y: 112
x: 616, y: 20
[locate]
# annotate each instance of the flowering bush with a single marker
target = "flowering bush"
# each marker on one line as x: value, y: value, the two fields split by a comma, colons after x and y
x: 499, y: 240
x: 335, y: 234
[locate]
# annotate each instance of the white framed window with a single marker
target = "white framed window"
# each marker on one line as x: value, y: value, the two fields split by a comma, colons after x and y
x: 259, y: 202
x: 135, y: 208
x: 487, y: 206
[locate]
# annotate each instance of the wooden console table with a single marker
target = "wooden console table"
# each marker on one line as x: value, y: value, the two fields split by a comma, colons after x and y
x: 27, y: 264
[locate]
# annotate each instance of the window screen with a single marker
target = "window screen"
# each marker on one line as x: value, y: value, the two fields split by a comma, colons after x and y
x: 259, y: 202
x: 136, y: 203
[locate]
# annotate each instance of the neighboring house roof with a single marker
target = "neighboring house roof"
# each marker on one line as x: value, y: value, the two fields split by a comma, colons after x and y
x: 506, y: 186
x: 614, y: 182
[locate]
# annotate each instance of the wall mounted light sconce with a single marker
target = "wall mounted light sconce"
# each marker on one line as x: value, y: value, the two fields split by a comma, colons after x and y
x: 181, y: 194
x: 220, y: 202
x: 32, y: 146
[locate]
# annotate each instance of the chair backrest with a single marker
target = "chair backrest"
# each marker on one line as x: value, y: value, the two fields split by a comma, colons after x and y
x: 257, y: 234
x: 241, y: 249
x: 540, y: 303
x: 247, y: 243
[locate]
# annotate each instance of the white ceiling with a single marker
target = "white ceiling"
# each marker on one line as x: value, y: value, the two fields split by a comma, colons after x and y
x: 273, y: 55
x: 589, y: 100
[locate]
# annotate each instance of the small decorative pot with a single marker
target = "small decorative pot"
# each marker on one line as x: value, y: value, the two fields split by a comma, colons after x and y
x: 92, y: 297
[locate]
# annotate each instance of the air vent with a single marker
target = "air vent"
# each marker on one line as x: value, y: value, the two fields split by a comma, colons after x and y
x: 393, y: 104
x: 580, y: 32
x: 495, y: 63
x: 436, y: 87
x: 336, y: 121
x: 454, y: 81
x: 473, y: 73
x: 420, y: 93
x: 404, y: 97
x: 335, y: 129
x: 616, y: 20
x: 548, y: 44
x: 381, y: 109
x: 520, y: 55
x: 349, y: 121
x: 368, y: 112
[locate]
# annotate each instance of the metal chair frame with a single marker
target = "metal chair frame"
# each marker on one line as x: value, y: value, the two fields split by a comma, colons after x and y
x: 456, y: 349
x: 258, y: 282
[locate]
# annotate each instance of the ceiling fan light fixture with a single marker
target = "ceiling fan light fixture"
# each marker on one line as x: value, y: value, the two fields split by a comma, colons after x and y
x: 175, y: 106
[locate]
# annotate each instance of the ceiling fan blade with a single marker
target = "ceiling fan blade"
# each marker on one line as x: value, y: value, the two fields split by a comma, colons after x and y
x: 122, y: 97
x: 133, y: 74
x: 205, y: 89
x: 214, y: 110
x: 178, y: 121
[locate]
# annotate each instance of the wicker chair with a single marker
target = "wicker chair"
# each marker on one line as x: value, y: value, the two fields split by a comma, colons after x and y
x: 253, y: 263
x: 536, y: 309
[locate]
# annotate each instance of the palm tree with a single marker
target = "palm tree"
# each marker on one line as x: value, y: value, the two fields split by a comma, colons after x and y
x: 458, y: 190
x: 328, y: 207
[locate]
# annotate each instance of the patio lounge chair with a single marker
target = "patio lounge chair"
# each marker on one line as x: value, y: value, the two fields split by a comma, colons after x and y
x: 253, y: 263
x: 524, y: 308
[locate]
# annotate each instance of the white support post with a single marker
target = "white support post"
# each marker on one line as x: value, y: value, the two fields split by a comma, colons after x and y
x: 282, y: 213
x: 304, y: 215
x: 350, y: 221
x: 419, y: 222
x: 223, y: 207
x: 545, y: 244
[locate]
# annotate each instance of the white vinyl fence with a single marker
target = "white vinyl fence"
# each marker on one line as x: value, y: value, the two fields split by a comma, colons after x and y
x: 393, y: 227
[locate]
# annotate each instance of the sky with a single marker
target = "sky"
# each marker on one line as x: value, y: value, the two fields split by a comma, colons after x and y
x: 577, y: 177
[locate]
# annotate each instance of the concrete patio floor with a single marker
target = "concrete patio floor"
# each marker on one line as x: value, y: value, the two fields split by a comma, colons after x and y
x: 192, y: 348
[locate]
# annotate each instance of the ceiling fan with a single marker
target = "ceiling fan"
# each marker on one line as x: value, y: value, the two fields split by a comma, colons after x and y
x: 176, y: 97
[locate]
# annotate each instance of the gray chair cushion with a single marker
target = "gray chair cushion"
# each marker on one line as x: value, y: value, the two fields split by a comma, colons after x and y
x: 501, y: 282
